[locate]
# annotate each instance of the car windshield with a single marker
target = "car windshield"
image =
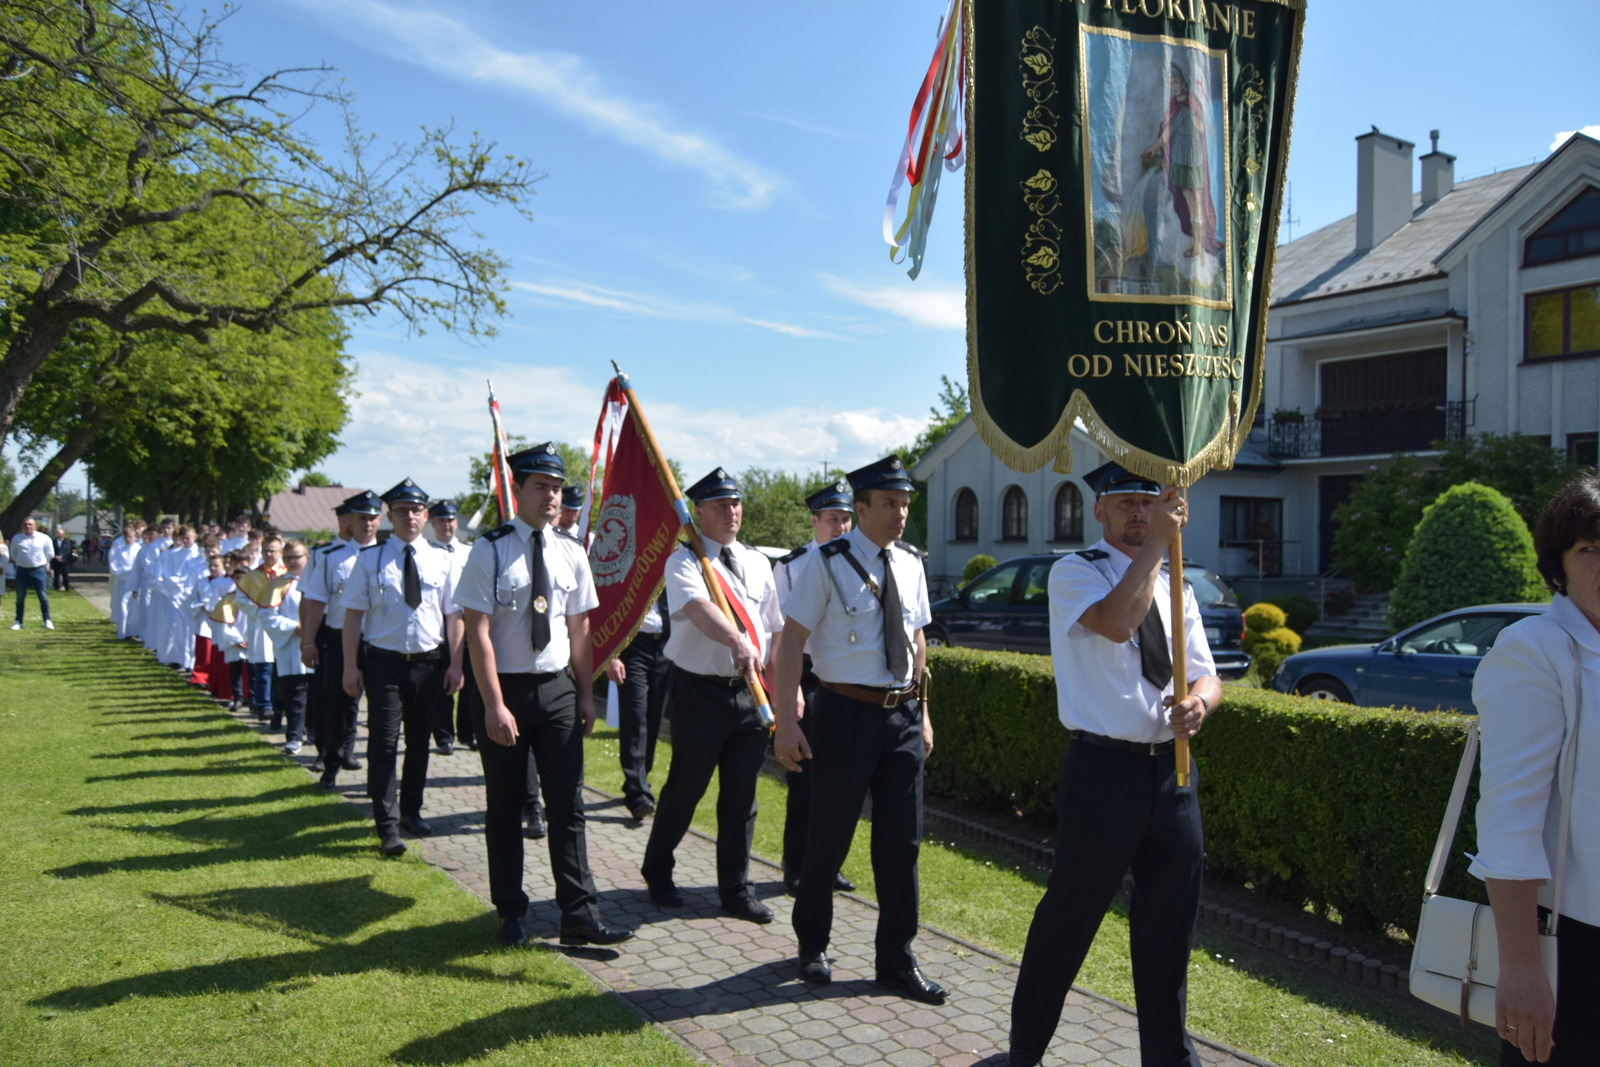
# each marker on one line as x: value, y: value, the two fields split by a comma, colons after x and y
x: 1209, y: 590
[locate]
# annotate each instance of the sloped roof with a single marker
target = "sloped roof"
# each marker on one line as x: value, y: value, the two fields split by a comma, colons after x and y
x: 306, y: 508
x: 1325, y: 262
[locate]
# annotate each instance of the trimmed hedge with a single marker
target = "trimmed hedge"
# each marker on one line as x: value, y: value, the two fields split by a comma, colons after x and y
x: 1326, y: 805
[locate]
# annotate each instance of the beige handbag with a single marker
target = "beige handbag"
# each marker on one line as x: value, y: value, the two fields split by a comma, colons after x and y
x: 1456, y: 962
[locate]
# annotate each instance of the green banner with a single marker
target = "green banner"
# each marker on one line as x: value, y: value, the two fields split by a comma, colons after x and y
x: 1126, y: 162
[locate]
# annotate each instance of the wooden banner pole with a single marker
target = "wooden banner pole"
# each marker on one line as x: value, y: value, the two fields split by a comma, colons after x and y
x: 1180, y: 668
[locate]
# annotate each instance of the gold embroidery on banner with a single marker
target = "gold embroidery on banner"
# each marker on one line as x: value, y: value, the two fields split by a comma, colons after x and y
x: 1041, y: 244
x: 1252, y: 90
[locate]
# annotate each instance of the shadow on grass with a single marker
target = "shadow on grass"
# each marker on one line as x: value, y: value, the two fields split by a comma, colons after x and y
x: 323, y: 912
x: 472, y: 1040
x: 244, y: 744
x: 327, y: 829
x: 174, y: 807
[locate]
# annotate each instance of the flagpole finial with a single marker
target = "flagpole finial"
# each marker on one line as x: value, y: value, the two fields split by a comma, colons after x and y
x: 622, y: 379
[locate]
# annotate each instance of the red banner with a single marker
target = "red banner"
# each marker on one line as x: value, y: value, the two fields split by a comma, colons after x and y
x: 635, y: 529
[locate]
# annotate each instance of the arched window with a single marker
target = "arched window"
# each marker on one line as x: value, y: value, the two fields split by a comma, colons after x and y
x: 1014, y: 515
x: 966, y: 515
x: 1068, y: 524
x: 1574, y: 231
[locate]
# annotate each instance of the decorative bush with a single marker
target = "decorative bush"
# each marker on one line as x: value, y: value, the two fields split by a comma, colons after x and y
x: 1301, y: 610
x: 1471, y: 547
x: 976, y: 566
x: 1268, y: 649
x: 1263, y: 616
x: 1324, y: 805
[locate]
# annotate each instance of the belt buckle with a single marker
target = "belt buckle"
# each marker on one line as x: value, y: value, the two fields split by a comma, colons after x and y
x: 889, y: 701
x: 1154, y: 749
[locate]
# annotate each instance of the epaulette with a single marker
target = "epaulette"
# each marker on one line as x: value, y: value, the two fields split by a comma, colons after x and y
x: 1093, y: 554
x: 375, y: 544
x: 326, y: 549
x: 913, y: 549
x: 568, y: 534
x: 796, y: 554
x: 833, y: 548
x: 498, y: 532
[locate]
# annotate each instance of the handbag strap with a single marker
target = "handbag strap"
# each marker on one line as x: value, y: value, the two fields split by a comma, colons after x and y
x: 1452, y: 812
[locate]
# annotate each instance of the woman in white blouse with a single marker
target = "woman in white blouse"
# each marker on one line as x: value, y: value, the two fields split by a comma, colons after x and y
x: 1539, y: 683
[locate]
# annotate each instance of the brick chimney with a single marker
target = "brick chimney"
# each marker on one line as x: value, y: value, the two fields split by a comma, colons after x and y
x: 1383, y: 187
x: 1438, y: 172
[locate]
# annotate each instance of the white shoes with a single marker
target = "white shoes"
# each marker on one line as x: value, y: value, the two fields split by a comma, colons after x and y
x: 16, y: 625
x: 292, y: 748
x: 48, y: 625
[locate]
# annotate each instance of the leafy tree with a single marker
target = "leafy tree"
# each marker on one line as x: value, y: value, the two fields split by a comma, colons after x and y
x: 955, y: 403
x: 1471, y: 547
x: 1374, y: 526
x: 479, y: 476
x: 148, y: 186
x: 8, y: 484
x: 775, y: 512
x: 316, y: 478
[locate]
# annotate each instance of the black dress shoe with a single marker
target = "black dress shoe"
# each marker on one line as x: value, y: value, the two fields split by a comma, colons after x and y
x: 446, y: 748
x: 1023, y: 1059
x: 513, y: 932
x: 641, y: 810
x: 316, y: 764
x: 748, y: 908
x: 841, y: 884
x: 791, y: 883
x: 816, y: 969
x: 912, y: 985
x: 595, y: 933
x: 391, y: 845
x: 535, y: 828
x: 664, y: 894
x: 415, y: 825
x: 329, y: 780
x: 351, y: 764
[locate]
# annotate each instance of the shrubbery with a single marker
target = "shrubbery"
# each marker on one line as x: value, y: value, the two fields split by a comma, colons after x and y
x: 1301, y: 610
x: 1267, y: 640
x: 1471, y: 547
x: 1326, y: 805
x: 976, y: 566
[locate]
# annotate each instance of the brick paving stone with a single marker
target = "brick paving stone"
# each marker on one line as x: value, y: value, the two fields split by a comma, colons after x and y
x: 702, y: 977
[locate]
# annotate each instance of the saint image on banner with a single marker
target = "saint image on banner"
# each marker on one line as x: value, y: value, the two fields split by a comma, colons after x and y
x: 1155, y: 135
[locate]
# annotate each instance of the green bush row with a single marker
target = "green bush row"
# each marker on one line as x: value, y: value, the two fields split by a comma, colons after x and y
x: 1325, y: 805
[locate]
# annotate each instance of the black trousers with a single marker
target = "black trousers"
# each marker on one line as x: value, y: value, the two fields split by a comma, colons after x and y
x: 642, y: 703
x: 715, y: 730
x: 336, y: 734
x: 1577, y: 1031
x: 797, y: 801
x: 549, y: 731
x: 290, y: 702
x: 1118, y: 810
x: 454, y: 721
x: 401, y: 694
x: 857, y: 749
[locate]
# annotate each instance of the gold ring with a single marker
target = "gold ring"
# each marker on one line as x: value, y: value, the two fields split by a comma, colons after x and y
x: 1510, y: 1028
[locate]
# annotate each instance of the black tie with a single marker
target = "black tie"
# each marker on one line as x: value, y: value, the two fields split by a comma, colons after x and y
x: 732, y: 564
x: 541, y: 595
x: 896, y: 653
x: 413, y: 580
x: 1155, y: 658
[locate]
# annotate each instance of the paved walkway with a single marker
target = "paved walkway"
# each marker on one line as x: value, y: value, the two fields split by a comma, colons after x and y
x: 727, y: 989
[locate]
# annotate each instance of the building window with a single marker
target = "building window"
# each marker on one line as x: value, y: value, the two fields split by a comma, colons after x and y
x: 1253, y: 525
x: 1563, y: 322
x: 1584, y: 449
x: 966, y: 515
x: 1573, y: 232
x: 1014, y: 515
x: 1068, y: 525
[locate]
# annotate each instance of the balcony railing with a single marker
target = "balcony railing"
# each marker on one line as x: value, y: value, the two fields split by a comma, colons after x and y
x: 1409, y: 431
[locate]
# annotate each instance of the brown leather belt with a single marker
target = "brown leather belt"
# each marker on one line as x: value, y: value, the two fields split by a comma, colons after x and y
x: 873, y: 694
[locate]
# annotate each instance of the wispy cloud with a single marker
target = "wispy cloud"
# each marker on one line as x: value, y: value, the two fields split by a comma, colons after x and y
x: 661, y: 307
x: 411, y: 420
x: 937, y: 307
x: 1564, y: 135
x: 820, y: 131
x: 562, y: 81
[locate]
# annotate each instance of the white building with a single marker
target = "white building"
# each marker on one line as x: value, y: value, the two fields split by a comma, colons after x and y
x: 1462, y: 308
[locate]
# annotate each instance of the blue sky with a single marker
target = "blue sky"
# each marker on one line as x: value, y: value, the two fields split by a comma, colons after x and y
x: 716, y: 174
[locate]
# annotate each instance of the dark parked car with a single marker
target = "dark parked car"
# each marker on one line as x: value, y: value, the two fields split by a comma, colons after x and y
x: 1007, y: 608
x: 1428, y: 666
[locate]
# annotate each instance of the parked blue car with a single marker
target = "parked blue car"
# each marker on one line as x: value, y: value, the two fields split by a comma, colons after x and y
x: 1428, y: 666
x: 1007, y: 608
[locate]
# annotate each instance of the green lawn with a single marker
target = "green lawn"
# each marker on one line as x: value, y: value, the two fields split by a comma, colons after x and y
x: 1238, y: 995
x: 175, y: 892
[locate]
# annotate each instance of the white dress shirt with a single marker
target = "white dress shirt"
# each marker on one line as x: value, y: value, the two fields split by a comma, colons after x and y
x: 334, y: 565
x: 282, y: 626
x: 32, y: 551
x: 1521, y: 691
x: 846, y: 618
x: 686, y: 645
x: 377, y: 586
x: 1099, y: 684
x: 497, y: 581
